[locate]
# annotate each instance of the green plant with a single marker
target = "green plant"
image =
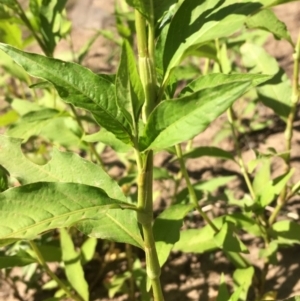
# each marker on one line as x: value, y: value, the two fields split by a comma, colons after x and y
x: 141, y: 111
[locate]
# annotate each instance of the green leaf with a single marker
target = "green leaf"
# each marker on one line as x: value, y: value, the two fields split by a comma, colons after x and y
x: 166, y: 229
x: 22, y: 106
x: 63, y: 167
x: 117, y: 284
x: 286, y: 232
x: 177, y: 120
x: 68, y: 167
x: 140, y: 276
x: 205, y: 186
x: 79, y: 86
x: 162, y: 7
x: 143, y: 6
x: 64, y: 132
x: 223, y: 294
x: 270, y: 252
x: 263, y: 184
x: 8, y: 118
x: 3, y: 179
x: 161, y: 173
x: 108, y: 139
x: 51, y: 22
x: 129, y: 89
x: 196, y: 23
x: 227, y: 239
x: 243, y: 278
x: 11, y: 33
x: 115, y: 225
x: 9, y: 3
x: 214, y: 80
x: 246, y: 222
x: 73, y: 267
x: 13, y: 69
x: 236, y: 294
x: 209, y: 151
x: 280, y: 182
x: 276, y: 93
x: 87, y: 249
x: 33, y: 123
x: 15, y: 261
x: 198, y: 240
x: 29, y: 210
x: 267, y: 20
x: 51, y: 253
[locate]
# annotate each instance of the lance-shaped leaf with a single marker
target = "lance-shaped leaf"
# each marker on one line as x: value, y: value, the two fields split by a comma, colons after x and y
x: 33, y: 123
x: 166, y: 229
x: 108, y: 139
x: 32, y: 209
x: 115, y: 225
x: 130, y: 93
x: 73, y: 268
x: 276, y: 93
x: 176, y: 120
x: 77, y: 85
x: 16, y: 261
x: 209, y: 151
x: 51, y: 22
x: 196, y: 23
x: 243, y: 279
x: 267, y: 20
x: 63, y: 167
x: 227, y: 240
x: 69, y: 167
x: 214, y: 80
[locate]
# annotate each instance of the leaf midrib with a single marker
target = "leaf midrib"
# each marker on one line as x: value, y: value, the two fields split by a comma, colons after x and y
x: 104, y: 207
x: 124, y: 229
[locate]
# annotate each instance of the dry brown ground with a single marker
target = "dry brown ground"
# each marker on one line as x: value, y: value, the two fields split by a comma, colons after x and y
x: 196, y: 277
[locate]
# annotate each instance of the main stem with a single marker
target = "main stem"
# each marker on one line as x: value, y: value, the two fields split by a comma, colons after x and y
x: 145, y: 161
x: 145, y: 218
x: 146, y: 63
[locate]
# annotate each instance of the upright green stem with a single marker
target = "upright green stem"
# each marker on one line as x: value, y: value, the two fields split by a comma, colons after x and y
x: 289, y: 129
x: 43, y: 263
x: 146, y: 64
x: 145, y: 218
x: 145, y: 161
